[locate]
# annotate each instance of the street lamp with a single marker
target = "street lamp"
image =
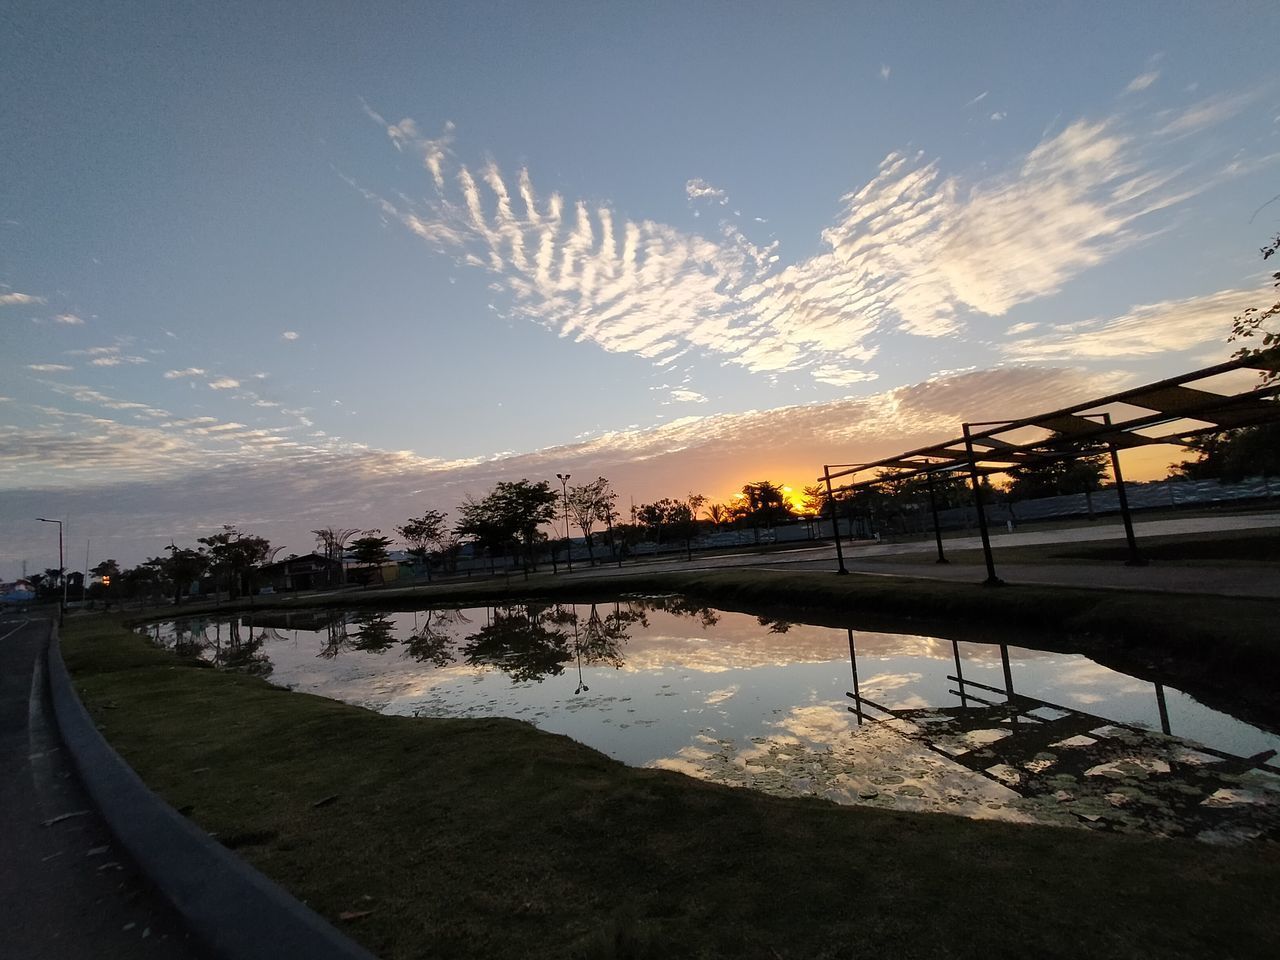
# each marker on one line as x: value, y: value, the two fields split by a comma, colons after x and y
x: 62, y: 570
x: 564, y: 490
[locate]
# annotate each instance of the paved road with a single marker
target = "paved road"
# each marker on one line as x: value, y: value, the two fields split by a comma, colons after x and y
x: 65, y: 892
x: 876, y: 559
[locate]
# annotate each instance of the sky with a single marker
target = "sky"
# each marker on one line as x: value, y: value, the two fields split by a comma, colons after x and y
x: 288, y: 266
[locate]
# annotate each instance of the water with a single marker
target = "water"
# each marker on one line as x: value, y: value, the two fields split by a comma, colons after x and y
x: 889, y: 720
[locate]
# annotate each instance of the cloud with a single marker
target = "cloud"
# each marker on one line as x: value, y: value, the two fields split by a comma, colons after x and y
x: 999, y: 115
x: 699, y: 189
x: 1145, y: 331
x: 1208, y: 112
x: 188, y: 372
x: 223, y: 383
x: 913, y: 251
x: 18, y: 299
x: 1142, y: 81
x: 116, y: 359
x: 183, y: 478
x: 682, y: 395
x: 48, y: 367
x: 68, y: 318
x: 290, y: 335
x: 884, y: 71
x: 977, y: 100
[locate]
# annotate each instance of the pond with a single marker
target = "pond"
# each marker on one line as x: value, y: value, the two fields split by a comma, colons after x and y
x: 890, y: 720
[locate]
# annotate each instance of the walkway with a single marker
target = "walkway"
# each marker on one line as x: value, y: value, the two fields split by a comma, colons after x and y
x: 875, y: 559
x: 65, y: 893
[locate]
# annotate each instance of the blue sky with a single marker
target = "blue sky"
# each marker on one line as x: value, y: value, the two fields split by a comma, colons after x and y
x: 292, y: 265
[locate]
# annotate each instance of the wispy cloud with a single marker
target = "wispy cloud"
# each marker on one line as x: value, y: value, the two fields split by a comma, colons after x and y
x: 999, y: 115
x: 977, y: 100
x: 48, y: 367
x: 290, y: 335
x: 68, y: 318
x: 884, y: 71
x: 1144, y: 331
x: 1209, y: 112
x: 223, y: 383
x: 188, y: 372
x: 19, y: 299
x: 1142, y: 81
x: 116, y: 359
x: 913, y: 251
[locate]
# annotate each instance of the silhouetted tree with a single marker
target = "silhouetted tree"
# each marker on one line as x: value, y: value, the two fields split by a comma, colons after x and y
x: 235, y: 554
x: 589, y: 504
x: 369, y: 550
x: 422, y: 533
x: 1253, y: 325
x: 331, y: 543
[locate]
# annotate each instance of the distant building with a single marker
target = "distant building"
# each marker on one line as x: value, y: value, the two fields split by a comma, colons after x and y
x: 301, y: 573
x: 19, y: 591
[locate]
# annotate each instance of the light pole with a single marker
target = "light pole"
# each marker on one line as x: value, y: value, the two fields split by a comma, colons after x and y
x: 62, y: 570
x: 564, y: 491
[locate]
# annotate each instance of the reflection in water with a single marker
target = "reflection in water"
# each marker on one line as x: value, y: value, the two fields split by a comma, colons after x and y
x: 929, y: 724
x: 1069, y: 765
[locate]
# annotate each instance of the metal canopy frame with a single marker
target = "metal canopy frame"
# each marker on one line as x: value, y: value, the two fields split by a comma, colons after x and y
x: 1175, y: 410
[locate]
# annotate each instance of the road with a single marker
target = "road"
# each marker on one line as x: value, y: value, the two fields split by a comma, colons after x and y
x: 65, y: 892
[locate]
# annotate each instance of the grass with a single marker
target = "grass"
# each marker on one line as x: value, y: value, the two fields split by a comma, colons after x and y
x: 488, y: 838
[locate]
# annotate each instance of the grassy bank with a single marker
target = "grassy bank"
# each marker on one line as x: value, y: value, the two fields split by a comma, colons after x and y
x: 487, y: 838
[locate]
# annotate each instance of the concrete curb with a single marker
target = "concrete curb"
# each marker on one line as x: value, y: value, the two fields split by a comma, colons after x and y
x: 234, y: 911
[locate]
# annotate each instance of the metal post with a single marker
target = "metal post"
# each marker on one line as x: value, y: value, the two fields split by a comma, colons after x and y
x: 955, y: 652
x: 1008, y: 673
x: 835, y: 521
x: 568, y: 547
x: 992, y: 580
x: 62, y: 570
x: 933, y: 508
x: 1134, y: 559
x: 1164, y: 710
x: 857, y: 693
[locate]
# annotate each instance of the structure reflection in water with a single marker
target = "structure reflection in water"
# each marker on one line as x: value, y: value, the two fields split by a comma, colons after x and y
x: 1067, y: 762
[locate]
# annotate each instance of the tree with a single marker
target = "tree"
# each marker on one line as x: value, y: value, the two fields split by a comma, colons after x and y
x: 590, y: 504
x: 510, y: 512
x: 717, y: 513
x: 183, y: 567
x: 331, y: 542
x: 812, y: 504
x: 1254, y: 322
x: 1055, y: 478
x: 236, y: 554
x: 422, y: 533
x: 369, y: 550
x: 1233, y: 455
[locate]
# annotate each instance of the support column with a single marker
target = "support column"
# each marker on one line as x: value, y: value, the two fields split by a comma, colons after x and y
x: 857, y: 694
x: 835, y: 522
x: 992, y: 580
x: 933, y: 509
x: 1135, y: 560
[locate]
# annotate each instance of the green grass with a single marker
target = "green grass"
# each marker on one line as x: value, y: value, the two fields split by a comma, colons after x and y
x: 488, y: 838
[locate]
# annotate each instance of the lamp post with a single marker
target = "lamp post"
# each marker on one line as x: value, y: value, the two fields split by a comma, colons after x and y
x: 564, y: 492
x: 62, y: 570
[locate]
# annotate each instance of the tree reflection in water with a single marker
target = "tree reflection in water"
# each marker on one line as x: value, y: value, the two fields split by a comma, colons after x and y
x: 371, y: 632
x: 433, y: 637
x: 531, y: 641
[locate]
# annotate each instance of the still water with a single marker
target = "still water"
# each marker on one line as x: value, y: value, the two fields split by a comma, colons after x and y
x: 889, y: 720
